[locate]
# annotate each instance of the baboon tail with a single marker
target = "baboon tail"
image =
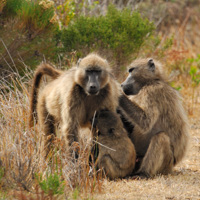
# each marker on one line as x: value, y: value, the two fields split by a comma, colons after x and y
x: 42, y: 69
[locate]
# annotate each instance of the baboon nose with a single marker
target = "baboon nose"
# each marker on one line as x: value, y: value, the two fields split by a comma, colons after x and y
x: 93, y: 87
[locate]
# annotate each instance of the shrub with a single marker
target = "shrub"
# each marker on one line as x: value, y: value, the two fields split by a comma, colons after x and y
x: 52, y: 184
x: 12, y: 6
x: 30, y: 34
x: 119, y: 33
x: 66, y: 11
x: 37, y: 15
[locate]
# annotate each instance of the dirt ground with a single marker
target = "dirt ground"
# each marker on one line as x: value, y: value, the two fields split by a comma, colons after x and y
x: 182, y: 183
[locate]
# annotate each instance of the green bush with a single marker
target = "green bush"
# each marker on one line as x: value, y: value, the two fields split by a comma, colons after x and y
x: 12, y: 6
x: 35, y: 15
x: 30, y: 37
x: 52, y: 184
x: 119, y: 33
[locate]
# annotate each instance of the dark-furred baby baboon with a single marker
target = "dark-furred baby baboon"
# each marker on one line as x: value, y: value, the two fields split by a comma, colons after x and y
x: 73, y: 96
x: 160, y: 132
x: 116, y: 151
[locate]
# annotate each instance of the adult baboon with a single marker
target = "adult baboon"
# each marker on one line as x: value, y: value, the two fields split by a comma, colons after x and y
x: 160, y: 132
x: 116, y: 151
x: 72, y: 98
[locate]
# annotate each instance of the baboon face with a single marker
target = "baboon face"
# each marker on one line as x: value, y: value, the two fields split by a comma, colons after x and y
x: 140, y: 73
x: 107, y: 123
x: 92, y: 77
x: 92, y: 74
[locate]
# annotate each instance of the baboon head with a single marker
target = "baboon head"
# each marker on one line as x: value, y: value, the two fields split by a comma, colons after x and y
x: 141, y: 72
x: 108, y: 123
x: 92, y: 74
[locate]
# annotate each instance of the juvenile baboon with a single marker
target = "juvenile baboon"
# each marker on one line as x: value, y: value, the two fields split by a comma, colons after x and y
x: 160, y: 132
x: 73, y: 96
x: 116, y: 151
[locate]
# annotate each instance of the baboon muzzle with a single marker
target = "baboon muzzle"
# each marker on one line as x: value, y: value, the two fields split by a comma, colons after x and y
x: 93, y: 86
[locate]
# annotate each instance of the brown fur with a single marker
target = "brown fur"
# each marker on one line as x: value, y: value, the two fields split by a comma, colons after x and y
x: 66, y: 101
x: 121, y: 162
x: 160, y: 133
x: 43, y: 69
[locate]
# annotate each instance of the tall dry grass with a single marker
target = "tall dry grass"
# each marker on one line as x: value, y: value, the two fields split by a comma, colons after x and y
x: 21, y: 156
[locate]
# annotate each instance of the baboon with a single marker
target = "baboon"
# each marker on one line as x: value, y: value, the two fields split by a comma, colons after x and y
x: 116, y: 151
x: 72, y: 98
x: 160, y: 132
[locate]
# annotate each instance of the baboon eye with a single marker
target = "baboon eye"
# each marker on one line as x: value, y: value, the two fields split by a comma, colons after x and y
x: 88, y: 71
x: 131, y: 69
x: 97, y: 71
x: 93, y: 71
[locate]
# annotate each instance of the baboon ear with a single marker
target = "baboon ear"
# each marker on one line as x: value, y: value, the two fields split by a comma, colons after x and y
x: 151, y: 65
x: 78, y: 62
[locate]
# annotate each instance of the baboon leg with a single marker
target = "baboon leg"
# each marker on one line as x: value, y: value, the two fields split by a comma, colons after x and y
x: 70, y: 132
x: 50, y: 134
x: 159, y: 156
x: 48, y: 125
x: 111, y: 170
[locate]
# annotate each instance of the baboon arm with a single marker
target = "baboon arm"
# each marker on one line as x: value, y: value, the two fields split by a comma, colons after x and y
x: 71, y: 117
x: 136, y: 114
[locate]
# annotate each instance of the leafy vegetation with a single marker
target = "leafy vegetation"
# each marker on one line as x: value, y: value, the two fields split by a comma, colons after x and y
x: 34, y: 15
x: 31, y: 26
x: 195, y: 70
x: 66, y: 11
x: 119, y: 33
x: 52, y: 183
x: 37, y: 15
x: 11, y: 7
